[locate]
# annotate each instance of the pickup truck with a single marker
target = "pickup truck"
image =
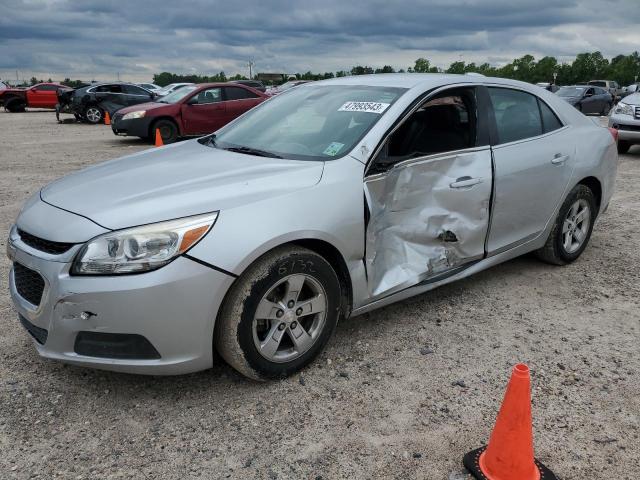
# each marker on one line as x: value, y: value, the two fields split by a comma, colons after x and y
x: 41, y: 95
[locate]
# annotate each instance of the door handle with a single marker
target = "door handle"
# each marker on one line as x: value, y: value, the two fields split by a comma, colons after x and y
x: 559, y: 159
x: 465, y: 182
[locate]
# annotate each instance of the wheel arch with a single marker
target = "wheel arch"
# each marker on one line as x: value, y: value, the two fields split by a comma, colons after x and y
x: 595, y: 186
x: 155, y: 120
x: 322, y: 247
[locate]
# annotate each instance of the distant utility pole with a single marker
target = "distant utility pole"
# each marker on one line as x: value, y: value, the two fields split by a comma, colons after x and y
x: 118, y: 75
x: 250, y: 65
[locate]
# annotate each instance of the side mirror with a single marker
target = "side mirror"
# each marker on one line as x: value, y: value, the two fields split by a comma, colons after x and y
x: 193, y: 100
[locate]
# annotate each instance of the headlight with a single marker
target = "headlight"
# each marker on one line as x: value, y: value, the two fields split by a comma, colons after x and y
x: 624, y: 109
x: 132, y: 115
x: 141, y: 249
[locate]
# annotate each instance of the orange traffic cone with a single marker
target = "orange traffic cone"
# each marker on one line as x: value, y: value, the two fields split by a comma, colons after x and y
x: 159, y: 142
x: 107, y: 119
x: 509, y: 455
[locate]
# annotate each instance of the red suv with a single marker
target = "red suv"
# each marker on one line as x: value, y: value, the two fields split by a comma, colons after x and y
x: 42, y: 95
x: 191, y: 111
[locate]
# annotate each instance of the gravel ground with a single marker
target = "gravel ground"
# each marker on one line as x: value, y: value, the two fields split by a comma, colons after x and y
x: 403, y: 392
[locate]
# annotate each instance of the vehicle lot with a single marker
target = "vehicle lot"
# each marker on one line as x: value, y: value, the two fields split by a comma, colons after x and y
x: 402, y: 392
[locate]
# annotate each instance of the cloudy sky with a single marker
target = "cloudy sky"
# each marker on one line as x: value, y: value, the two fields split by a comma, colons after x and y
x: 97, y: 39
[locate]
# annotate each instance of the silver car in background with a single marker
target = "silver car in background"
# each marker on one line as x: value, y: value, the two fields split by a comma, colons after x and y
x: 324, y: 202
x: 626, y: 119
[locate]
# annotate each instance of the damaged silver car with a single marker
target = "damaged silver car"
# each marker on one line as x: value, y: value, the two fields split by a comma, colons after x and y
x: 324, y: 202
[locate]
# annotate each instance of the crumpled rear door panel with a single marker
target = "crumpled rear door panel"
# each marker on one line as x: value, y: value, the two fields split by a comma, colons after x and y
x: 423, y: 222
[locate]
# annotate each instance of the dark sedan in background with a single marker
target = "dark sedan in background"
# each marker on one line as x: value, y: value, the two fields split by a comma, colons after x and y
x: 90, y: 103
x: 588, y: 99
x: 191, y: 111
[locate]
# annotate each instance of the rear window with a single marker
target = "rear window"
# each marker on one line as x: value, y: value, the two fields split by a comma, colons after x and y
x: 237, y: 93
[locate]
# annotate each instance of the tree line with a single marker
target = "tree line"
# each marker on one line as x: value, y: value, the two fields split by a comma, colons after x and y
x: 625, y: 69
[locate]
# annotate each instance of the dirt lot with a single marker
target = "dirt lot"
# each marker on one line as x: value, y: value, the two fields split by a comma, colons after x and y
x: 381, y: 402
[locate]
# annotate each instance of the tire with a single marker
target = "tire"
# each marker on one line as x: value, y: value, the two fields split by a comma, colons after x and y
x: 93, y: 114
x: 168, y: 131
x: 242, y: 327
x: 623, y: 147
x: 559, y: 251
x: 14, y: 105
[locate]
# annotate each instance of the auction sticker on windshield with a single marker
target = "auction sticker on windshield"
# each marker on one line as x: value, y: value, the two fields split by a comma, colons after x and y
x: 333, y: 149
x: 369, y: 107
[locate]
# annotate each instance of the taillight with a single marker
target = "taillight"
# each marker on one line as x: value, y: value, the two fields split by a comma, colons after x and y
x: 614, y: 133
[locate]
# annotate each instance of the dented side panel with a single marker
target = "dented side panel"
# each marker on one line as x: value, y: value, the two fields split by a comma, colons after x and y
x: 425, y: 220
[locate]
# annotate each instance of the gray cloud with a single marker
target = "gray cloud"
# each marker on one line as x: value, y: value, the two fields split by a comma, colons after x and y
x: 98, y: 38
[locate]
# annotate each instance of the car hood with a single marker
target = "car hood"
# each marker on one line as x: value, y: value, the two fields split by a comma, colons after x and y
x: 175, y: 181
x: 633, y: 99
x: 144, y: 106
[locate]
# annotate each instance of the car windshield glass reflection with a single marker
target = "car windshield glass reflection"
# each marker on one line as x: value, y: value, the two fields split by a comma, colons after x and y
x: 571, y: 91
x: 178, y: 95
x: 309, y: 123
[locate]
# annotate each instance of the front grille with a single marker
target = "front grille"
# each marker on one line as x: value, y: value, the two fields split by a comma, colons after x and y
x: 40, y: 334
x: 47, y: 246
x: 29, y: 284
x: 629, y: 128
x: 637, y: 110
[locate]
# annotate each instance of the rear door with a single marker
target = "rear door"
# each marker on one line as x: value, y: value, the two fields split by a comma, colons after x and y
x: 428, y: 193
x: 533, y: 156
x: 238, y: 100
x: 136, y: 95
x: 204, y: 112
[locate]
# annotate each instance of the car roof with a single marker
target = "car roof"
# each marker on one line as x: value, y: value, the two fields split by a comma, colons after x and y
x: 422, y: 81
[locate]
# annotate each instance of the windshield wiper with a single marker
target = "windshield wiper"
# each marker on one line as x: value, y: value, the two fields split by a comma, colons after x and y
x: 252, y: 151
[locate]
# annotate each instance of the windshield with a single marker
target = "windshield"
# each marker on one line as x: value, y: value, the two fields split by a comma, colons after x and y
x: 178, y: 95
x: 598, y: 83
x: 287, y: 86
x: 308, y: 123
x: 571, y: 91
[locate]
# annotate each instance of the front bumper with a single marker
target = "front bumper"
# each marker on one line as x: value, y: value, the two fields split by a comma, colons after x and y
x: 174, y: 308
x: 628, y: 127
x: 137, y: 127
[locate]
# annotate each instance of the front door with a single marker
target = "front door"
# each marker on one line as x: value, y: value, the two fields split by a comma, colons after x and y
x: 428, y: 194
x: 204, y: 112
x: 533, y: 157
x: 42, y: 96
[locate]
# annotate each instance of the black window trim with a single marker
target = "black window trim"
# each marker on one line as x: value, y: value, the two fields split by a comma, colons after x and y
x: 492, y: 118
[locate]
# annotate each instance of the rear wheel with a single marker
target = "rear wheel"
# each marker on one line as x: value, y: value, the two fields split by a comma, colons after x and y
x: 279, y: 314
x: 93, y: 114
x: 623, y: 147
x: 572, y: 230
x: 168, y: 131
x: 14, y: 105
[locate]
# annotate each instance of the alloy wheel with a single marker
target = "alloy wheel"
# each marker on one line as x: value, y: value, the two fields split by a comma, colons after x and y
x: 290, y: 318
x: 576, y: 226
x: 93, y: 114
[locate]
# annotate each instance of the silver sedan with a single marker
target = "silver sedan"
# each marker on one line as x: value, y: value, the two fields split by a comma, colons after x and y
x: 327, y: 201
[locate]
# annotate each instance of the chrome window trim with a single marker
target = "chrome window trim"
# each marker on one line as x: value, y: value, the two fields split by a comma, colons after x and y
x: 529, y: 139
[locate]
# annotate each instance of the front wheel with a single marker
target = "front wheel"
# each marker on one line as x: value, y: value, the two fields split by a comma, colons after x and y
x: 279, y: 314
x: 572, y: 229
x: 168, y: 131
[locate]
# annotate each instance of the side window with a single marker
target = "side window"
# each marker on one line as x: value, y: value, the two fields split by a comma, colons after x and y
x: 591, y: 91
x: 210, y: 95
x: 517, y: 114
x: 237, y: 93
x: 109, y: 89
x: 550, y: 121
x: 443, y: 124
x: 47, y: 88
x: 135, y: 90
